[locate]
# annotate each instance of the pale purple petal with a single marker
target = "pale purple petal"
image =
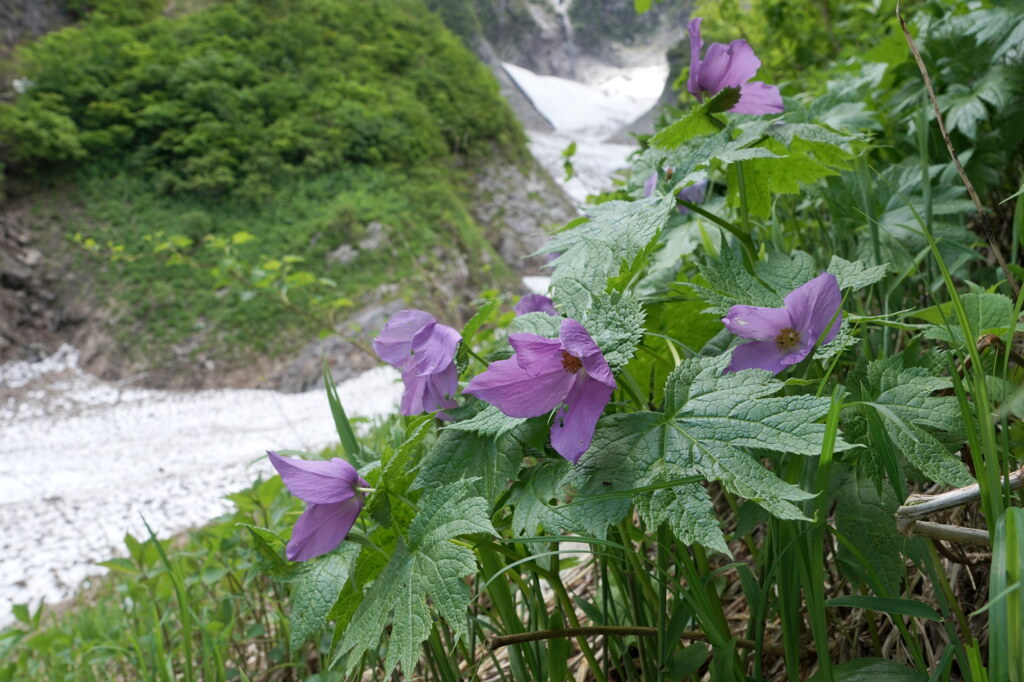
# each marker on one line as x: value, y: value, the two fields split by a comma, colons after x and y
x: 760, y: 355
x: 518, y: 394
x: 752, y: 322
x: 695, y: 194
x: 576, y: 340
x: 321, y: 528
x: 812, y: 305
x: 535, y: 303
x: 741, y: 64
x: 317, y: 481
x: 394, y: 343
x: 537, y: 355
x: 696, y: 44
x: 573, y: 428
x: 713, y: 68
x: 759, y: 98
x: 433, y: 348
x: 429, y: 392
x: 650, y: 183
x: 579, y: 343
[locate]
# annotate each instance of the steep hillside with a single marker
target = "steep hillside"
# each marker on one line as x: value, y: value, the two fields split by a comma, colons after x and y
x: 241, y: 177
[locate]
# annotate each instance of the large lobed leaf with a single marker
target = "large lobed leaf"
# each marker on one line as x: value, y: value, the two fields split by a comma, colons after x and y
x: 709, y: 421
x: 428, y: 566
x: 615, y: 237
x: 925, y: 427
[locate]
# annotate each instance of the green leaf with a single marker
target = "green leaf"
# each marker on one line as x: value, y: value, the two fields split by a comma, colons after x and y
x: 616, y: 323
x: 709, y: 419
x: 689, y: 513
x: 490, y: 421
x: 855, y: 275
x: 986, y: 314
x: 489, y: 460
x: 694, y: 123
x: 482, y: 316
x: 871, y: 670
x: 866, y: 517
x: 616, y: 238
x: 540, y: 324
x: 726, y: 283
x: 269, y: 550
x: 802, y: 154
x: 316, y: 589
x: 902, y: 607
x: 913, y: 417
x: 538, y: 505
x: 341, y: 424
x: 430, y: 567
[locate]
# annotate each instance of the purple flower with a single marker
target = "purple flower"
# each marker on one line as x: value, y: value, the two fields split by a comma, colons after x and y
x: 784, y: 336
x: 568, y: 372
x: 535, y: 303
x: 729, y: 66
x: 650, y: 183
x: 694, y: 194
x: 334, y: 503
x: 424, y: 351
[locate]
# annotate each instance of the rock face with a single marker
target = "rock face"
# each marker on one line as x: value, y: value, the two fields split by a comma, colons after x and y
x: 35, y: 311
x: 22, y: 20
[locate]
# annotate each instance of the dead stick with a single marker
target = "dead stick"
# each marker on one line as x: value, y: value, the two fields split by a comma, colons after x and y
x: 942, y: 531
x: 956, y: 159
x: 499, y: 641
x: 918, y: 506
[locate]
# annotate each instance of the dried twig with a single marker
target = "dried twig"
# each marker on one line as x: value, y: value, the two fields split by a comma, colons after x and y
x: 942, y: 531
x: 919, y: 506
x: 986, y: 225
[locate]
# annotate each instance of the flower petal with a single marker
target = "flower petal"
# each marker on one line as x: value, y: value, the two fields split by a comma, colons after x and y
x: 507, y: 386
x: 573, y: 428
x: 650, y: 183
x: 537, y: 355
x: 759, y: 98
x: 752, y: 322
x: 761, y: 355
x: 433, y: 348
x: 535, y: 303
x: 429, y: 392
x: 578, y: 342
x: 694, y: 193
x: 394, y: 343
x: 317, y: 481
x: 696, y: 45
x: 321, y: 528
x: 812, y: 305
x: 741, y: 64
x: 713, y: 68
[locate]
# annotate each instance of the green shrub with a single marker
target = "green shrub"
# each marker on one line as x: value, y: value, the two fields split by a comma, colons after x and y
x: 241, y: 96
